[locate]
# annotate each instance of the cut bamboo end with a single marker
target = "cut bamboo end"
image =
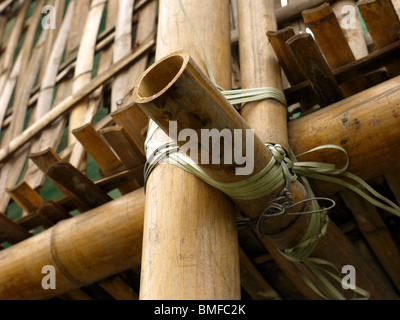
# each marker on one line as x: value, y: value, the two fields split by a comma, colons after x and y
x: 158, y: 79
x: 175, y: 89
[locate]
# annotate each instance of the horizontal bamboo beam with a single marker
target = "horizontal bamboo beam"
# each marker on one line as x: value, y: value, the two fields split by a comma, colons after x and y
x: 84, y: 250
x: 367, y: 125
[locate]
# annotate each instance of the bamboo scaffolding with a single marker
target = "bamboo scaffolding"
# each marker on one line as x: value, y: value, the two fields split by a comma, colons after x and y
x: 8, y: 57
x: 71, y: 101
x: 194, y: 264
x: 159, y: 93
x: 50, y: 137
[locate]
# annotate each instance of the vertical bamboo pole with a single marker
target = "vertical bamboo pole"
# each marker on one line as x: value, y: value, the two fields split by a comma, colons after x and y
x: 122, y: 47
x: 84, y: 63
x: 190, y: 246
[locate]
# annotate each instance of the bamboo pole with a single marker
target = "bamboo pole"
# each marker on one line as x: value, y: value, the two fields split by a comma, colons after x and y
x: 366, y: 125
x: 76, y: 256
x: 84, y: 64
x: 190, y: 247
x: 260, y: 68
x: 315, y: 68
x: 122, y: 47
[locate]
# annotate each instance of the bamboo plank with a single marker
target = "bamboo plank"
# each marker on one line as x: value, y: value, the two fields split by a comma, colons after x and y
x: 134, y: 121
x: 288, y: 63
x: 44, y: 161
x: 84, y: 64
x: 368, y: 64
x: 73, y: 247
x: 353, y: 32
x: 52, y: 212
x: 70, y: 203
x: 366, y: 125
x: 333, y: 44
x: 384, y: 26
x: 123, y: 146
x: 70, y: 101
x: 79, y: 185
x: 377, y: 235
x: 253, y: 282
x: 12, y: 232
x: 27, y: 198
x: 294, y: 9
x: 102, y: 154
x: 315, y: 68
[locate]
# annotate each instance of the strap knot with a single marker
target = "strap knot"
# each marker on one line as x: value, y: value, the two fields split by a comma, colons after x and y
x: 277, y: 152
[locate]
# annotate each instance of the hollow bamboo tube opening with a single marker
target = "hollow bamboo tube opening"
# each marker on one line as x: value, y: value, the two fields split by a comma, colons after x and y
x: 158, y: 79
x: 175, y: 89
